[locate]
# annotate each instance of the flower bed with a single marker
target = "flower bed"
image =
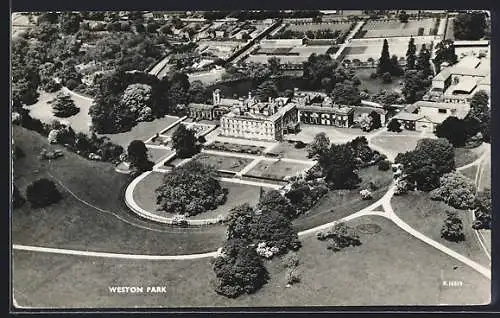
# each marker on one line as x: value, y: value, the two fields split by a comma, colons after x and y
x: 230, y: 147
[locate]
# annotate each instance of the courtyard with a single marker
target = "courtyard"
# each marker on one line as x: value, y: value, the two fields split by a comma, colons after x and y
x: 224, y: 163
x: 277, y: 169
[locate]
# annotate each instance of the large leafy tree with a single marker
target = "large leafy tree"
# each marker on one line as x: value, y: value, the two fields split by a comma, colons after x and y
x: 454, y: 130
x: 69, y: 22
x: 479, y: 116
x: 137, y: 154
x: 190, y: 189
x: 274, y: 201
x: 198, y: 92
x: 318, y: 146
x: 267, y: 89
x: 445, y: 52
x: 431, y: 159
x: 239, y: 270
x: 469, y: 26
x: 42, y: 193
x: 415, y: 84
x: 138, y: 99
x: 184, y: 142
x: 318, y: 67
x: 456, y: 190
x: 339, y: 167
x: 346, y: 93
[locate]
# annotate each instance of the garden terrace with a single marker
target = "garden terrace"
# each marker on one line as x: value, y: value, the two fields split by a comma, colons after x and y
x: 390, y: 277
x: 224, y: 163
x: 277, y: 169
x: 157, y: 154
x: 145, y: 196
x: 427, y: 216
x: 232, y: 147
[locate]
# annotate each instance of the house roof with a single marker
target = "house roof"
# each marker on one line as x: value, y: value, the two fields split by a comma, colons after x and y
x: 465, y: 85
x: 200, y: 106
x: 408, y: 116
x: 423, y: 103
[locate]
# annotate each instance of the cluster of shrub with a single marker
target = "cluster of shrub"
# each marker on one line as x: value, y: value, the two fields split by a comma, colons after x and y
x: 339, y: 237
x: 40, y: 193
x: 80, y: 143
x: 254, y: 234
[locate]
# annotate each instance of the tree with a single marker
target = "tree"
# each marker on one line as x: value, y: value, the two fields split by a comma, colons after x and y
x: 479, y: 117
x: 384, y: 62
x: 384, y: 165
x: 42, y: 193
x: 63, y: 106
x: 304, y: 194
x: 239, y: 270
x: 274, y: 201
x: 386, y: 77
x: 431, y: 159
x: 184, y: 142
x: 346, y: 93
x: 423, y: 61
x: 456, y: 190
x: 267, y: 89
x: 178, y: 93
x: 137, y: 155
x: 17, y: 198
x: 376, y: 120
x: 394, y: 126
x: 190, y: 189
x: 318, y: 146
x: 445, y: 52
x: 415, y: 84
x: 483, y: 209
x: 137, y: 98
x: 198, y: 93
x: 318, y: 67
x: 403, y: 17
x: 469, y: 26
x: 454, y: 130
x: 69, y: 22
x: 365, y: 123
x: 452, y: 229
x: 411, y: 54
x: 339, y: 167
x: 274, y: 65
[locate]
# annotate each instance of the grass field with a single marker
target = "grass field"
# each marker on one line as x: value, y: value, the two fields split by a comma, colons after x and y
x: 394, y: 143
x: 335, y: 134
x: 427, y: 216
x: 288, y: 150
x: 141, y: 131
x: 42, y: 110
x: 341, y: 203
x: 342, y: 27
x: 156, y: 154
x: 73, y: 224
x: 465, y: 156
x: 485, y: 178
x: 469, y: 172
x: 235, y: 164
x: 144, y: 195
x: 277, y: 169
x: 389, y: 268
x: 376, y: 29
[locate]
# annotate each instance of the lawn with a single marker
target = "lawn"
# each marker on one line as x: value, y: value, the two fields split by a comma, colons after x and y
x: 287, y: 149
x: 394, y: 143
x: 427, y: 216
x: 141, y: 131
x: 144, y: 195
x: 335, y: 134
x: 464, y: 156
x: 234, y: 164
x: 377, y: 29
x: 277, y: 169
x: 469, y: 172
x: 42, y: 110
x: 485, y: 178
x: 389, y: 268
x: 156, y: 154
x: 375, y: 85
x: 72, y: 224
x: 341, y: 203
